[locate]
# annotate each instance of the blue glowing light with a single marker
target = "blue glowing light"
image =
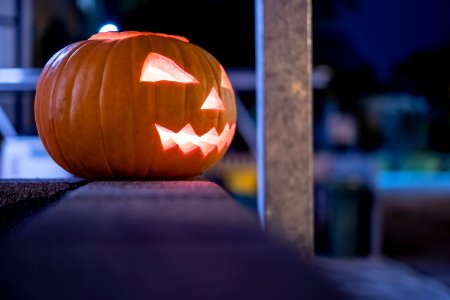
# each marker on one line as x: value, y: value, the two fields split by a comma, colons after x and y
x: 108, y: 27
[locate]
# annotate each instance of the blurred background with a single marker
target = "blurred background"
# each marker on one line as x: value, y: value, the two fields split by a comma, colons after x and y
x: 381, y: 74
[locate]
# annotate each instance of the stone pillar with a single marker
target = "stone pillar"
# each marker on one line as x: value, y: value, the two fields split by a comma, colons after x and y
x: 283, y: 51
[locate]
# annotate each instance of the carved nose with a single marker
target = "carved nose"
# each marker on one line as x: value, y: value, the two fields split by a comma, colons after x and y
x: 213, y: 101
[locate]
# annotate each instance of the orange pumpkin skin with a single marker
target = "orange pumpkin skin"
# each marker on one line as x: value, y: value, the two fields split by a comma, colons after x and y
x: 98, y: 120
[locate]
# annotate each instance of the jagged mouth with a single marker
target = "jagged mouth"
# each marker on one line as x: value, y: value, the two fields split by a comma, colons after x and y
x: 187, y: 140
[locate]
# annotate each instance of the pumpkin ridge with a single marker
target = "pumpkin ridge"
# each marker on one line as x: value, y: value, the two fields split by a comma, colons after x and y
x: 70, y: 102
x: 60, y: 69
x: 134, y: 129
x: 80, y: 161
x: 149, y: 166
x: 108, y: 163
x: 39, y: 104
x: 184, y: 87
x: 80, y: 64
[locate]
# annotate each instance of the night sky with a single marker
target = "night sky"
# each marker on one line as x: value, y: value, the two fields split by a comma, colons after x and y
x: 385, y: 32
x: 381, y: 33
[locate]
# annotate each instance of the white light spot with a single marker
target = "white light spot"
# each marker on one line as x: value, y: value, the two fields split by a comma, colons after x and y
x: 108, y: 27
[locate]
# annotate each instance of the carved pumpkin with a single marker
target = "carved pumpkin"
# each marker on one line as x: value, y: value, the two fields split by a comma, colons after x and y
x: 135, y: 105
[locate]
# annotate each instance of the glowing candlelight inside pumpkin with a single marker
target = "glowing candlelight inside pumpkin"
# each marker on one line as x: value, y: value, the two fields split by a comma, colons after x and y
x: 159, y: 68
x: 213, y: 101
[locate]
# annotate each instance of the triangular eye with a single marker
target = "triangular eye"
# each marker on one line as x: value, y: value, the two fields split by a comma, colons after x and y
x: 160, y: 68
x: 224, y: 81
x: 213, y: 101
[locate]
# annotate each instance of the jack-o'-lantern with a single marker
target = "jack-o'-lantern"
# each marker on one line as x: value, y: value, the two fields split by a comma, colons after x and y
x: 135, y: 105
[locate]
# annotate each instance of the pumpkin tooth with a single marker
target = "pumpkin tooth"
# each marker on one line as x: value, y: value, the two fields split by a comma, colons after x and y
x: 166, y: 137
x: 213, y: 132
x: 187, y: 147
x: 206, y: 147
x: 188, y: 140
x: 164, y: 133
x: 211, y: 137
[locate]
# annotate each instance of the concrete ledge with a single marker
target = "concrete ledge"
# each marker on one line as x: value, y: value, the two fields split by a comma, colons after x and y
x: 13, y: 191
x: 151, y: 240
x: 21, y: 199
